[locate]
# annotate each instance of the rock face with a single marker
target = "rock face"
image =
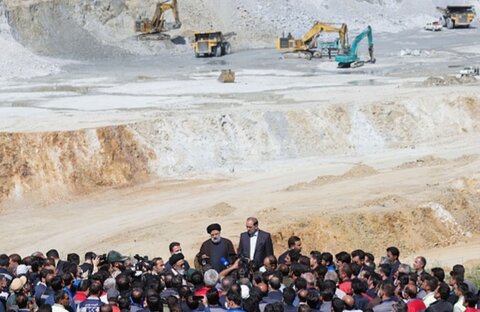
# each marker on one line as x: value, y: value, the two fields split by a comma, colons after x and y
x: 61, y: 164
x: 104, y: 28
x: 181, y: 145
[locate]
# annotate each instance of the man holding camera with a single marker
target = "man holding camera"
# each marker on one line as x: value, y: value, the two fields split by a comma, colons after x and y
x: 216, y: 252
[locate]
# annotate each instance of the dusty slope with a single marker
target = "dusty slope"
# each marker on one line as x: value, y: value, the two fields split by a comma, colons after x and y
x: 16, y: 61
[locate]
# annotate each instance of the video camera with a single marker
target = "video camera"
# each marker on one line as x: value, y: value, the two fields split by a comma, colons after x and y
x: 103, y: 259
x: 143, y: 264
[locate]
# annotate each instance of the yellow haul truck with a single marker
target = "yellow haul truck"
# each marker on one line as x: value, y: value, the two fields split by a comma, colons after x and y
x: 457, y: 15
x: 211, y: 44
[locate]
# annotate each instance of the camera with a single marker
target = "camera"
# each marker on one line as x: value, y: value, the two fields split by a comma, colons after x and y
x: 143, y: 264
x: 244, y: 261
x: 103, y: 259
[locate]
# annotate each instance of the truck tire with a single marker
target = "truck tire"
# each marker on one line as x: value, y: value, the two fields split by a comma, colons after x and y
x: 218, y: 51
x: 228, y: 48
x: 450, y: 23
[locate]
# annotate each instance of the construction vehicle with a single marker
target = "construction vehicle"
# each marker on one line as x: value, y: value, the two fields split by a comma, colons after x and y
x: 349, y: 57
x: 433, y: 26
x: 309, y: 46
x: 470, y: 71
x: 211, y: 44
x: 457, y: 16
x: 155, y: 28
x: 227, y: 75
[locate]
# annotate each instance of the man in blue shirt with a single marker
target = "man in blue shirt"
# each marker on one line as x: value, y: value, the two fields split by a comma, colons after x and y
x: 93, y: 302
x: 234, y: 302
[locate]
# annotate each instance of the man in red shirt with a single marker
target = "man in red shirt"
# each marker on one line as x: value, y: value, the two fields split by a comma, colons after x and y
x: 470, y: 301
x: 210, y: 279
x: 345, y: 274
x: 414, y: 304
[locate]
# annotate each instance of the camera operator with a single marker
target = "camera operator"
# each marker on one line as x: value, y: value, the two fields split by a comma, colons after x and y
x: 143, y: 267
x: 87, y: 266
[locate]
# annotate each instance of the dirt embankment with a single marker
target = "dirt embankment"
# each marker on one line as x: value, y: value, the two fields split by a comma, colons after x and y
x: 451, y: 216
x: 183, y: 145
x: 357, y: 171
x: 55, y: 165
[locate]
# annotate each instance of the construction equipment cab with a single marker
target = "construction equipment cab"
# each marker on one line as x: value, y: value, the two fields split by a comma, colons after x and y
x: 211, y: 44
x: 155, y: 28
x: 457, y: 16
x: 310, y: 45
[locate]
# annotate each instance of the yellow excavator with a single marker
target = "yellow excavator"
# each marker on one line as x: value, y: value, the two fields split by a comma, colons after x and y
x: 309, y: 47
x: 155, y: 28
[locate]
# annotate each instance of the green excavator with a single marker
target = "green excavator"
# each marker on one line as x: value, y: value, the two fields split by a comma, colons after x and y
x: 349, y: 57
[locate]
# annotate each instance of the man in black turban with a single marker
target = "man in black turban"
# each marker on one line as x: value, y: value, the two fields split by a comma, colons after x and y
x: 218, y: 252
x: 177, y: 264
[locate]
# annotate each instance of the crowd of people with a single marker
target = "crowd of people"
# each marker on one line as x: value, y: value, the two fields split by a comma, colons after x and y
x: 249, y: 278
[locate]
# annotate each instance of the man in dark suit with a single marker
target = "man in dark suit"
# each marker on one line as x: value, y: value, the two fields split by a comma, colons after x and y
x: 59, y: 264
x: 441, y: 305
x: 255, y: 244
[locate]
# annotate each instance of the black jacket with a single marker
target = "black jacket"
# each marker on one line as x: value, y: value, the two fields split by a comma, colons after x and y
x: 440, y: 306
x: 263, y: 248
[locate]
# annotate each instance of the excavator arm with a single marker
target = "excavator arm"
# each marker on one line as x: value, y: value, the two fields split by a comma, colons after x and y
x: 155, y: 28
x: 343, y: 36
x: 158, y: 20
x: 310, y: 38
x: 309, y: 47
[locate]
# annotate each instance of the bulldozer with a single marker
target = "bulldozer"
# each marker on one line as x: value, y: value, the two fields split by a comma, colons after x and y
x: 309, y: 46
x: 457, y: 16
x: 156, y: 28
x: 211, y: 44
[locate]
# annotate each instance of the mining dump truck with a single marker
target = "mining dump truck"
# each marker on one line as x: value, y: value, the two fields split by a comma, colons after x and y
x: 211, y: 44
x: 457, y: 16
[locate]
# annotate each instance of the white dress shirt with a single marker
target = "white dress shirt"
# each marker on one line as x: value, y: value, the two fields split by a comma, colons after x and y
x: 429, y: 299
x: 253, y: 244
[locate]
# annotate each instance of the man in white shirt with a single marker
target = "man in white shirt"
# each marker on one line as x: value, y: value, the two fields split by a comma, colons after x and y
x: 61, y: 301
x: 255, y: 244
x: 429, y: 284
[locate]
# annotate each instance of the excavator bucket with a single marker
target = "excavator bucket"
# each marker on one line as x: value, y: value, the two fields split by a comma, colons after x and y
x: 227, y: 75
